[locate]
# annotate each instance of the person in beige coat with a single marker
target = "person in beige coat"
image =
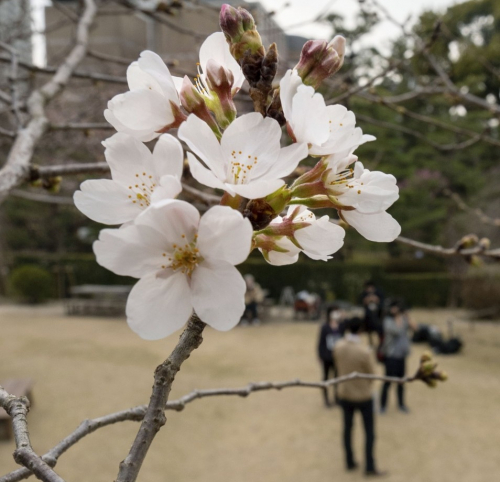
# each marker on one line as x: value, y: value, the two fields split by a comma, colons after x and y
x: 351, y: 355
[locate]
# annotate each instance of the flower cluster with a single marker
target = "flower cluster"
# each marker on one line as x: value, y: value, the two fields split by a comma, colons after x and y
x: 185, y: 262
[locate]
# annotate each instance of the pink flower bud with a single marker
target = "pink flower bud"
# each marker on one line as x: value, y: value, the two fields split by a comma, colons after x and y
x: 230, y: 23
x: 238, y: 26
x: 220, y: 84
x: 319, y: 60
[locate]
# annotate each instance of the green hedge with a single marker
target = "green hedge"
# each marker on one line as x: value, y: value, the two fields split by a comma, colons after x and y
x: 335, y: 279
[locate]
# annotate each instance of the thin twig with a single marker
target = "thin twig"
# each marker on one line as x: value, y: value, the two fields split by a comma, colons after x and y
x: 455, y: 251
x: 18, y: 408
x: 137, y: 413
x: 154, y: 417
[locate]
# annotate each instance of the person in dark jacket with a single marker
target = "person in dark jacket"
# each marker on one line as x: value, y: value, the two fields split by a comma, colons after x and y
x: 329, y: 334
x: 372, y: 300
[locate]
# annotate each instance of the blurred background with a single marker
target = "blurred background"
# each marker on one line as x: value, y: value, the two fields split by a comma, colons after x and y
x: 424, y: 78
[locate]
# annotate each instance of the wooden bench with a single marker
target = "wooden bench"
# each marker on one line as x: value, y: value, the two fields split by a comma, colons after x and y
x: 20, y: 387
x: 97, y: 300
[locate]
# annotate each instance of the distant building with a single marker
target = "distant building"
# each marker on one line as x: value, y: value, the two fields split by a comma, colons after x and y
x: 178, y: 37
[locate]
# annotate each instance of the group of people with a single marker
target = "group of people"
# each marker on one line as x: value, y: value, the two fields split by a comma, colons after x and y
x: 341, y: 352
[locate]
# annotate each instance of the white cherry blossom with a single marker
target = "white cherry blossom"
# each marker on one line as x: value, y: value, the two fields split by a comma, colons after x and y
x: 139, y: 178
x: 328, y: 130
x: 151, y: 105
x: 319, y: 240
x: 216, y: 49
x: 367, y: 191
x: 249, y: 160
x: 367, y: 194
x: 183, y: 263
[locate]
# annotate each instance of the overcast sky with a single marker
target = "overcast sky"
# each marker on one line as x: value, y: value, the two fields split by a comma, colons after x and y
x: 295, y: 17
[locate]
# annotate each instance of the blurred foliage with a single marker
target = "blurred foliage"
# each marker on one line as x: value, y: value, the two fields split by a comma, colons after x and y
x: 31, y: 283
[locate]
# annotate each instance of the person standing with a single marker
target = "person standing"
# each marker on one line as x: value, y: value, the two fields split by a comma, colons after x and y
x: 253, y: 298
x: 356, y: 395
x: 395, y: 349
x: 372, y: 300
x: 329, y: 335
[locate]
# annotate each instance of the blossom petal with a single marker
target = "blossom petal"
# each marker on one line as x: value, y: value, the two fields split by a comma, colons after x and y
x: 168, y: 157
x: 138, y: 79
x: 202, y: 174
x: 202, y: 141
x: 153, y: 65
x: 216, y: 47
x: 126, y: 156
x: 256, y: 189
x: 288, y: 160
x: 224, y: 234
x: 252, y: 139
x: 309, y: 120
x: 218, y: 294
x: 379, y: 227
x: 169, y: 188
x: 130, y: 251
x: 321, y: 239
x: 288, y: 88
x: 144, y: 135
x: 176, y: 220
x: 157, y: 306
x: 141, y: 109
x: 105, y: 201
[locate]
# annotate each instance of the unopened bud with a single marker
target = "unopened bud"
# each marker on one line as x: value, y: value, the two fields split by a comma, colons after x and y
x: 238, y: 26
x: 468, y: 241
x: 319, y: 60
x: 484, y: 243
x: 194, y: 103
x: 220, y: 82
x: 426, y: 356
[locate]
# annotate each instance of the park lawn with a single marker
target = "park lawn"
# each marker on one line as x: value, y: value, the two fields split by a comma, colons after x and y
x: 87, y: 367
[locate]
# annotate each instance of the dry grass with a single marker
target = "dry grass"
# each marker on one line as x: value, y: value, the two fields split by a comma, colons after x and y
x: 86, y: 367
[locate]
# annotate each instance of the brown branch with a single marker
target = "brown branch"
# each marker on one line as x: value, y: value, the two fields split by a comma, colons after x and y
x: 137, y: 413
x: 81, y: 126
x: 470, y: 98
x: 429, y: 120
x: 154, y: 417
x: 418, y: 135
x: 19, y: 159
x: 478, y: 250
x: 18, y: 408
x: 484, y: 218
x: 42, y: 198
x: 76, y: 74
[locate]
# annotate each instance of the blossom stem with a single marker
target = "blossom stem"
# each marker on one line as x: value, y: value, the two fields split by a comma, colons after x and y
x: 154, y: 418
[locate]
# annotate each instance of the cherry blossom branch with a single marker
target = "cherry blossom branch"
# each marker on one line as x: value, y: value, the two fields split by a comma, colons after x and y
x: 81, y: 126
x: 154, y: 418
x: 479, y: 249
x: 113, y: 79
x: 484, y: 218
x: 18, y: 408
x: 137, y: 413
x: 418, y: 135
x: 20, y: 156
x: 430, y: 120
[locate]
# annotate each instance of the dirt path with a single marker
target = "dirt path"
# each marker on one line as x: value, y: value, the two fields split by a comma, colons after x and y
x: 85, y: 367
